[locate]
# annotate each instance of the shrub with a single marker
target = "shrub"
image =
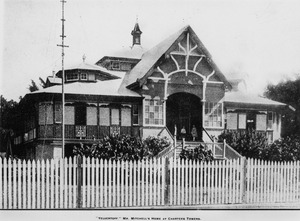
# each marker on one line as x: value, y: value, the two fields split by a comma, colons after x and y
x: 198, y: 153
x: 123, y: 147
x: 286, y: 149
x: 249, y: 143
x: 254, y: 144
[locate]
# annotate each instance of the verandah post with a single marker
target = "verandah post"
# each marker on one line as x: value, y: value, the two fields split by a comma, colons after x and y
x: 79, y: 180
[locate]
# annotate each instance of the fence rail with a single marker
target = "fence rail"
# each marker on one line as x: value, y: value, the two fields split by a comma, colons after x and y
x: 94, y: 183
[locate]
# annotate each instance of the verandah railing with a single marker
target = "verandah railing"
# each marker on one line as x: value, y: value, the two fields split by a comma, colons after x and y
x: 93, y: 183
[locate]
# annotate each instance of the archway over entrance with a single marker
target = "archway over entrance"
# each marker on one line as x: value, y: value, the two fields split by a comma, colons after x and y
x: 184, y: 110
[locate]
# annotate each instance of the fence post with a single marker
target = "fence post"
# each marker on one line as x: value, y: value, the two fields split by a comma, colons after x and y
x: 167, y: 181
x: 244, y: 179
x: 79, y: 181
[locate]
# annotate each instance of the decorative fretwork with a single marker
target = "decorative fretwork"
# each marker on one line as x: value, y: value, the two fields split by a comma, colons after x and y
x: 186, y: 52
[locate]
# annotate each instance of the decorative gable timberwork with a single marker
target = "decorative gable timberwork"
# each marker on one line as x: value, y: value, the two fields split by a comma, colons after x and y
x: 184, y: 67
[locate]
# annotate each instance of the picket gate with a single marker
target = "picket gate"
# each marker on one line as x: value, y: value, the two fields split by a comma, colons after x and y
x: 99, y: 183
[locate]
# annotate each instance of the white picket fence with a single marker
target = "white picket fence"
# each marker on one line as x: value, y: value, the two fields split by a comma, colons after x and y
x: 95, y: 183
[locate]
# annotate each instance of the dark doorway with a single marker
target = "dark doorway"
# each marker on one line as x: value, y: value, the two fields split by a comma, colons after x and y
x: 251, y: 121
x: 80, y: 114
x: 184, y: 110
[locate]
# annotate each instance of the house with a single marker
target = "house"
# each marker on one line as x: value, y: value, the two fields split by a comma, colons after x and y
x: 142, y: 92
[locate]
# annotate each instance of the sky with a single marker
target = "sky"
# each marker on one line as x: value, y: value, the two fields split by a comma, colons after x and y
x: 258, y: 40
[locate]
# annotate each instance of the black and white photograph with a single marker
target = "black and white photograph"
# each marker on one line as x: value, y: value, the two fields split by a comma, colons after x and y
x: 152, y: 110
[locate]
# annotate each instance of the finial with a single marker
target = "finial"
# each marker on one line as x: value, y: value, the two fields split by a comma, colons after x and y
x: 83, y: 58
x: 137, y: 18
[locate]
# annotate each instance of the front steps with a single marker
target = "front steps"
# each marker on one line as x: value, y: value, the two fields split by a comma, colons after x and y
x: 193, y: 144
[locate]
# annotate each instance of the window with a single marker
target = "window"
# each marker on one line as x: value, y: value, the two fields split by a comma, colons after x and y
x: 83, y: 76
x: 91, y: 115
x: 115, y: 116
x: 104, y: 116
x: 153, y: 112
x: 69, y: 115
x: 242, y: 120
x: 270, y: 121
x: 213, y: 114
x: 45, y: 113
x: 135, y: 114
x: 261, y: 120
x: 72, y: 76
x: 115, y: 65
x: 231, y: 121
x: 126, y: 116
x: 58, y: 113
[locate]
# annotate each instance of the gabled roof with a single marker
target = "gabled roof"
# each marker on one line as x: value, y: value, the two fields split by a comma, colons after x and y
x: 142, y: 70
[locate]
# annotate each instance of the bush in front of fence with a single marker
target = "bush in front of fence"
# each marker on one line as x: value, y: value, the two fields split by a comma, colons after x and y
x: 285, y: 149
x: 198, y: 153
x: 123, y: 147
x: 248, y: 143
x: 254, y: 144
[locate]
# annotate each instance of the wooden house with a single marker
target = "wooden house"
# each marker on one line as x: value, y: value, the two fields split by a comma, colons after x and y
x: 141, y: 92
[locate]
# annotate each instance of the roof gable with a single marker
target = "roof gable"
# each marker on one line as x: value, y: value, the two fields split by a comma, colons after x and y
x: 139, y: 74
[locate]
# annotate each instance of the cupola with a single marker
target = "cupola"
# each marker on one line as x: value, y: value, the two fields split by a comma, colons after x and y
x: 136, y: 35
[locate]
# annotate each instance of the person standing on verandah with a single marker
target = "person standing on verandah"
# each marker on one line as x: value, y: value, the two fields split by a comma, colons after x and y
x: 194, y: 133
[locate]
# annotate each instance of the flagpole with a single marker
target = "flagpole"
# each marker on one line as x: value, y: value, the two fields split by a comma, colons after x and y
x: 63, y: 76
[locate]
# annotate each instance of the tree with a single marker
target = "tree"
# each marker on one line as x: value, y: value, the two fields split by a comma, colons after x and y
x: 287, y: 92
x: 9, y: 118
x: 42, y: 82
x: 9, y: 113
x: 33, y: 87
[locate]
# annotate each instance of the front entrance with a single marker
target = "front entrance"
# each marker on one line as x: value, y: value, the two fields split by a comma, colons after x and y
x: 184, y: 110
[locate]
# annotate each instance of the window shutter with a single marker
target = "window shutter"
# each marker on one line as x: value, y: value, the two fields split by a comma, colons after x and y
x: 58, y: 112
x: 49, y: 116
x: 42, y: 114
x: 232, y: 121
x: 125, y: 117
x: 104, y: 116
x: 115, y: 116
x: 242, y: 121
x: 91, y: 115
x: 69, y: 115
x: 261, y: 122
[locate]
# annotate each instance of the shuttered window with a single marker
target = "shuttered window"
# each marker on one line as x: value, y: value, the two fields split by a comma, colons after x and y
x: 70, y: 115
x: 58, y: 113
x: 261, y: 122
x: 231, y: 121
x: 45, y: 113
x: 242, y: 120
x: 115, y: 116
x: 104, y: 116
x: 125, y: 117
x: 91, y: 115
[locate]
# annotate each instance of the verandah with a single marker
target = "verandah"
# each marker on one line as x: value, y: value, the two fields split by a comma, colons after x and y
x: 94, y: 183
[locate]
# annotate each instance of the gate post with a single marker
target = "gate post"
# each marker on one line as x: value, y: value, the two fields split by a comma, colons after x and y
x: 167, y: 181
x: 79, y: 181
x: 244, y: 179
